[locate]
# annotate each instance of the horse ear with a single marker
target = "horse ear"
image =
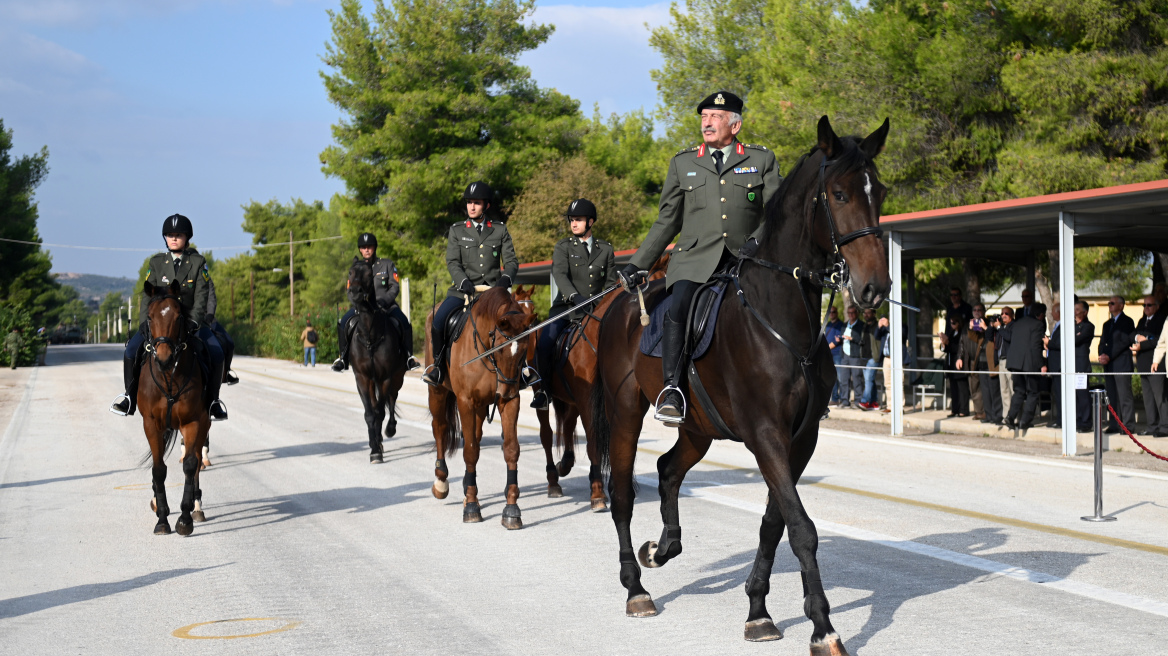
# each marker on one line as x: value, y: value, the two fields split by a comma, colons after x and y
x: 828, y: 142
x: 874, y: 143
x: 148, y: 288
x: 174, y: 288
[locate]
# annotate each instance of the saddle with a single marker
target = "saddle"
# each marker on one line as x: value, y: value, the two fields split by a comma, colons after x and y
x: 703, y: 317
x: 455, y: 322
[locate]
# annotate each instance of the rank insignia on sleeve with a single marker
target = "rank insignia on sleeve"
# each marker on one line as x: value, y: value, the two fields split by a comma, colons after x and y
x: 746, y: 169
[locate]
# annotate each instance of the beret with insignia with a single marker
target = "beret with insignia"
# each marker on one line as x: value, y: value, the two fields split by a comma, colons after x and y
x: 723, y: 100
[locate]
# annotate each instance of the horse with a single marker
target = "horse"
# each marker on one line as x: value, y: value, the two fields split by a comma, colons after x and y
x: 171, y: 403
x: 768, y: 371
x: 468, y: 392
x: 376, y: 358
x: 570, y: 393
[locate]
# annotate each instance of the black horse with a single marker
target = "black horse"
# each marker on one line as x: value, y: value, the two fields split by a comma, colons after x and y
x: 768, y: 371
x: 375, y: 356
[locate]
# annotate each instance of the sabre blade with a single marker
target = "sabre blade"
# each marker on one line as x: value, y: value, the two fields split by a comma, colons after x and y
x: 904, y: 305
x: 536, y: 327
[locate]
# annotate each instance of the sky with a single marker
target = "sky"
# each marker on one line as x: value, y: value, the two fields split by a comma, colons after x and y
x: 151, y: 107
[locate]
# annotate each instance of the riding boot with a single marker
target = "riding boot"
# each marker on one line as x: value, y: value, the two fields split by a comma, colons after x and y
x: 125, y: 404
x: 671, y: 402
x: 344, y: 337
x: 434, y: 375
x: 216, y: 409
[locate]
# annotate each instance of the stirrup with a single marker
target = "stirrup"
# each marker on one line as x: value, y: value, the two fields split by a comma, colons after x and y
x: 528, y: 376
x: 117, y: 401
x: 432, y: 376
x: 231, y: 378
x: 669, y: 420
x: 412, y: 363
x: 217, y: 403
x: 339, y: 365
x: 540, y: 402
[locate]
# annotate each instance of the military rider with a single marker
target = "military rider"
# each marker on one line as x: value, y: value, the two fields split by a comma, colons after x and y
x: 714, y: 196
x: 225, y: 341
x: 475, y: 248
x: 186, y: 265
x: 385, y: 288
x: 582, y: 266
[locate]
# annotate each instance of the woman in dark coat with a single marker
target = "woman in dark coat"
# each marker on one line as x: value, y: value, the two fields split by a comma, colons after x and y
x: 952, y: 340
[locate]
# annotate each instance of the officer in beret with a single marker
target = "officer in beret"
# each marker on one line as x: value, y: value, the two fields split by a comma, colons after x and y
x: 582, y: 266
x: 182, y: 263
x: 476, y: 247
x: 713, y: 197
x: 385, y: 289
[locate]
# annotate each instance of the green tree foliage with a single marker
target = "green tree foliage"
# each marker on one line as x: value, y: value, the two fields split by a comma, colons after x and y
x: 434, y: 99
x: 624, y: 146
x: 15, y: 316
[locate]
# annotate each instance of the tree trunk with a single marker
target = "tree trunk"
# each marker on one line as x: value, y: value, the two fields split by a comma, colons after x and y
x: 972, y: 281
x: 1046, y: 292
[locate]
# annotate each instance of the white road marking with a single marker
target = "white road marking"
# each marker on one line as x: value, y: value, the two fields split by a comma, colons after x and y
x: 984, y: 564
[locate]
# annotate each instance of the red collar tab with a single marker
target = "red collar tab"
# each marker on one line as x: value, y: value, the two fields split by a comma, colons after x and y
x: 468, y: 223
x: 739, y: 149
x: 488, y: 224
x: 701, y: 150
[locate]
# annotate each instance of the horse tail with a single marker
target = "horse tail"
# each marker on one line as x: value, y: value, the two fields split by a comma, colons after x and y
x: 453, y: 425
x: 600, y: 428
x: 166, y: 447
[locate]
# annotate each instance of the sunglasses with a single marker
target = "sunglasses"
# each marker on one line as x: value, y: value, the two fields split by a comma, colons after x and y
x: 1111, y: 302
x: 1151, y: 305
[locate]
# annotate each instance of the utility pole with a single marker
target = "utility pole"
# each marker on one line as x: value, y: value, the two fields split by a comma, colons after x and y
x: 291, y: 281
x: 251, y: 277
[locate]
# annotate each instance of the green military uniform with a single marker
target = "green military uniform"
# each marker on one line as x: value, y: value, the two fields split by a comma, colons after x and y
x: 12, y: 344
x: 475, y: 256
x: 578, y: 271
x: 190, y: 269
x: 714, y: 212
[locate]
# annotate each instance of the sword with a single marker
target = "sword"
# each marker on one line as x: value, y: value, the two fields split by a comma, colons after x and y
x: 543, y: 323
x: 904, y: 305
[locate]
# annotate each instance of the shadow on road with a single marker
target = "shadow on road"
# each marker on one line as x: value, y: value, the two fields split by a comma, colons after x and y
x: 273, y: 510
x: 393, y: 452
x: 61, y: 479
x: 33, y: 603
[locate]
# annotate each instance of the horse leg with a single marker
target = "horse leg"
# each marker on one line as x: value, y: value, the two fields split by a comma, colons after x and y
x: 158, y: 477
x: 759, y: 625
x: 622, y: 455
x: 472, y: 431
x: 566, y: 424
x: 672, y: 467
x: 595, y: 476
x: 185, y: 524
x: 509, y: 417
x: 776, y: 466
x: 438, y: 398
x: 373, y: 416
x: 390, y: 396
x: 546, y: 438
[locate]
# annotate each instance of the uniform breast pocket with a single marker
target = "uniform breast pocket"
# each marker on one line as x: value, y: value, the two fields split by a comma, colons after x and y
x: 695, y: 195
x: 748, y: 191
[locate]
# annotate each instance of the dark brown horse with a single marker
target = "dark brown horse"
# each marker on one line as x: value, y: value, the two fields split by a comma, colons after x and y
x: 376, y: 357
x: 170, y: 398
x: 768, y: 371
x: 469, y: 392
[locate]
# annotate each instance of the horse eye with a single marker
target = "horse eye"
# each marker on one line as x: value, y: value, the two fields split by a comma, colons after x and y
x: 839, y: 196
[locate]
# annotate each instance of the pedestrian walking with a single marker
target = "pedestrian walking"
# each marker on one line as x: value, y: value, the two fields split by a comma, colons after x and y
x: 12, y: 344
x: 309, y: 337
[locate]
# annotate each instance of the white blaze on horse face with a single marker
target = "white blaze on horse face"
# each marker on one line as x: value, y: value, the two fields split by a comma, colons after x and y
x: 514, y: 348
x: 165, y: 310
x: 868, y: 188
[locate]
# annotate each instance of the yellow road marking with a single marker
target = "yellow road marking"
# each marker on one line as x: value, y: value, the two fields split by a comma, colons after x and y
x: 997, y: 519
x: 185, y: 632
x: 143, y: 486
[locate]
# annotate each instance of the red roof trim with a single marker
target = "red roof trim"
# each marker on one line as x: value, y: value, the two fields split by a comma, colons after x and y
x: 1086, y: 194
x: 616, y: 254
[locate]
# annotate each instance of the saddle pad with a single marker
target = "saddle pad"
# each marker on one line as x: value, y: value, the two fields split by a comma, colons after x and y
x: 651, y: 335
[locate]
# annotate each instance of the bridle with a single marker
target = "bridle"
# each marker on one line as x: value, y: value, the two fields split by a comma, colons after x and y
x: 177, y: 347
x: 362, y: 306
x: 491, y: 364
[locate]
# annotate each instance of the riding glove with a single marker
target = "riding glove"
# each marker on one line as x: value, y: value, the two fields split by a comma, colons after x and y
x: 631, y: 276
x: 504, y: 281
x: 466, y: 286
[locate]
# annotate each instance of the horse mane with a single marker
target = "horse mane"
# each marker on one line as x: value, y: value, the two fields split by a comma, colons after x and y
x: 495, y: 303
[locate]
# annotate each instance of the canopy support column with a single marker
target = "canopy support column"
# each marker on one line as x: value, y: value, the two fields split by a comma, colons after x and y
x: 1066, y: 277
x: 895, y: 391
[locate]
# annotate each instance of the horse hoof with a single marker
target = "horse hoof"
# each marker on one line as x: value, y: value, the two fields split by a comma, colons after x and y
x: 646, y: 553
x: 640, y: 606
x: 599, y: 506
x: 762, y: 630
x: 199, y: 516
x: 375, y: 458
x: 162, y: 528
x: 555, y: 491
x: 206, y: 462
x: 440, y: 490
x: 471, y: 514
x: 184, y: 527
x: 390, y: 430
x: 512, y: 520
x: 831, y: 645
x: 565, y: 466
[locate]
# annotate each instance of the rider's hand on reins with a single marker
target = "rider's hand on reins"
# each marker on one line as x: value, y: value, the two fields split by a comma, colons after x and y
x: 632, y: 277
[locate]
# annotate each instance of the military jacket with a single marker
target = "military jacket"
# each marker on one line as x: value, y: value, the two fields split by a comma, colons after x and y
x: 713, y: 212
x: 191, y: 272
x: 576, y: 271
x: 385, y: 284
x: 477, y: 257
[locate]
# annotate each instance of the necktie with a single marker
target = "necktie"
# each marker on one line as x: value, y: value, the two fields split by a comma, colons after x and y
x: 480, y: 228
x: 718, y: 161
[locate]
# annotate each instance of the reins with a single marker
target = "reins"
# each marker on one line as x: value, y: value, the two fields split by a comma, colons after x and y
x: 480, y: 345
x: 178, y: 348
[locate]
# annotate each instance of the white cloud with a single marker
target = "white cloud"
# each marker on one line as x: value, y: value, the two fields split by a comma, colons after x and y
x: 75, y: 13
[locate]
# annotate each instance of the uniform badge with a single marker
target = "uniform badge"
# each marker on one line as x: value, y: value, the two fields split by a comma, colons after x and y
x: 719, y: 100
x: 165, y: 281
x: 746, y: 169
x: 750, y: 196
x: 692, y: 173
x: 494, y: 253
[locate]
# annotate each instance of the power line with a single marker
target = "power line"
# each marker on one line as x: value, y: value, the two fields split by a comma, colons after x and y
x: 155, y: 250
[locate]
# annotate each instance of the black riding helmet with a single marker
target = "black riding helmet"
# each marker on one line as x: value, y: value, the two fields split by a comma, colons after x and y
x: 177, y: 223
x: 478, y: 191
x: 367, y: 240
x: 581, y: 207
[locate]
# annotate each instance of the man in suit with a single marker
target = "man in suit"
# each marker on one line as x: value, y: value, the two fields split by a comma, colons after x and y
x: 852, y: 346
x: 1001, y: 350
x: 1025, y: 357
x: 1084, y: 335
x: 1115, y: 356
x: 1147, y: 335
x: 1054, y: 355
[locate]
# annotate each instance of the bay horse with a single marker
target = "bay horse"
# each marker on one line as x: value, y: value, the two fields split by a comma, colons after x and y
x: 570, y: 393
x: 768, y: 371
x: 376, y: 357
x: 468, y: 393
x: 170, y: 399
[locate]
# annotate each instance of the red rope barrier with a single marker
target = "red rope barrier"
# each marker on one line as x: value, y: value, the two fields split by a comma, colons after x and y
x: 1133, y: 437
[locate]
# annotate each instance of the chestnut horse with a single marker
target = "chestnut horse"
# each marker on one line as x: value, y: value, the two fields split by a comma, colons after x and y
x: 768, y: 371
x: 170, y: 399
x: 467, y: 394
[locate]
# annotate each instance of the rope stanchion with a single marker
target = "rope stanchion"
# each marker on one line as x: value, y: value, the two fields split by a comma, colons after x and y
x: 1133, y: 437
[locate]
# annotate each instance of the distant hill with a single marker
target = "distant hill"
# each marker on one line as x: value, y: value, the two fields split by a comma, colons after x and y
x: 93, y: 288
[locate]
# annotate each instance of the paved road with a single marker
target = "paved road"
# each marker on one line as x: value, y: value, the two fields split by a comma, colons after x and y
x: 925, y: 549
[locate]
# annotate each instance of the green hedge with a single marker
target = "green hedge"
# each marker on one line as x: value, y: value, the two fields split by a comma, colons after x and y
x: 279, y: 337
x: 15, y: 316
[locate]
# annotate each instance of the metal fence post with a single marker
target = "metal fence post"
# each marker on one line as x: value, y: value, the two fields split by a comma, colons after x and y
x: 1097, y: 406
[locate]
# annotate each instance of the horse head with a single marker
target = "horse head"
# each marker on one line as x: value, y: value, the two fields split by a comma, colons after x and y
x: 848, y: 197
x: 509, y: 319
x: 166, y: 322
x: 360, y: 284
x: 523, y: 296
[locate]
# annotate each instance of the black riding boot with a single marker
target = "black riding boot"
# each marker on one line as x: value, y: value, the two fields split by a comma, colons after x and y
x: 407, y: 343
x: 216, y: 409
x: 434, y: 373
x: 126, y: 404
x: 343, y: 338
x: 671, y: 402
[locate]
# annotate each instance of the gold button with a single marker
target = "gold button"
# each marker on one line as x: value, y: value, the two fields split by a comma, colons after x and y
x: 691, y: 186
x: 723, y: 182
x: 748, y: 185
x: 723, y: 234
x: 723, y: 217
x: 723, y: 200
x: 480, y: 245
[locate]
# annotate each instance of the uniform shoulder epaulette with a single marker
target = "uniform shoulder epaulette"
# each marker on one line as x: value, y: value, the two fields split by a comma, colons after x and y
x: 602, y: 241
x: 688, y: 150
x: 754, y: 146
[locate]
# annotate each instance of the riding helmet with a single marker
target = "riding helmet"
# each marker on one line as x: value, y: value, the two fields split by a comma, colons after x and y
x: 177, y: 223
x: 366, y: 240
x: 581, y: 207
x: 723, y: 100
x: 478, y: 191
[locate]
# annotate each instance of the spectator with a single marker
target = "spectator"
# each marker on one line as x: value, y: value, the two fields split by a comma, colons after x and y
x: 958, y: 308
x: 976, y: 325
x: 852, y: 343
x: 832, y: 334
x: 980, y: 354
x: 1025, y: 357
x: 310, y: 338
x: 12, y: 344
x: 1084, y: 335
x: 951, y: 341
x: 874, y: 333
x: 1001, y: 351
x: 886, y: 363
x: 1054, y: 364
x: 1115, y: 356
x: 42, y: 346
x: 1147, y: 335
x: 1027, y: 302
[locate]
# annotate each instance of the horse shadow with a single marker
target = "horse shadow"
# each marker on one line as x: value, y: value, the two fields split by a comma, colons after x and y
x: 312, y: 449
x: 62, y: 479
x: 33, y: 603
